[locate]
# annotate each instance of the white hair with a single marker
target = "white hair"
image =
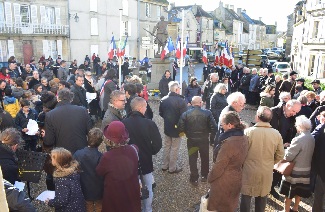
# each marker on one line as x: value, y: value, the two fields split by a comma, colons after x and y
x: 173, y: 85
x: 293, y: 102
x: 284, y: 95
x: 235, y: 97
x: 214, y: 75
x: 303, y: 124
x: 219, y: 88
x: 278, y: 77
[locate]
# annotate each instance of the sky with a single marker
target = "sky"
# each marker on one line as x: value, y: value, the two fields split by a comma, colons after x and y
x: 269, y: 10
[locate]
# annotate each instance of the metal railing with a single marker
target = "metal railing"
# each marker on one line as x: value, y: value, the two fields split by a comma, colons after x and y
x: 34, y: 29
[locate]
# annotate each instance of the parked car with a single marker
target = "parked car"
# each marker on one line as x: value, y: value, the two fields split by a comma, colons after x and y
x: 263, y: 56
x: 272, y: 55
x: 282, y: 67
x: 211, y: 57
x: 272, y: 62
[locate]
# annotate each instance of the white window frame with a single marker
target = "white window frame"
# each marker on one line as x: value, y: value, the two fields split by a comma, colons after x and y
x: 8, y: 13
x: 148, y: 10
x: 125, y: 7
x: 28, y: 15
x: 2, y: 16
x: 93, y: 6
x: 93, y: 26
x: 33, y: 14
x: 158, y: 12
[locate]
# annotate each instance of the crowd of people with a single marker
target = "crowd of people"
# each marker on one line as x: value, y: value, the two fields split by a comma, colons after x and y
x: 288, y: 125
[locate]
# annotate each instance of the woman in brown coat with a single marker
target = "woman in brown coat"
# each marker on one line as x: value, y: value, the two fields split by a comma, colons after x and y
x: 225, y: 177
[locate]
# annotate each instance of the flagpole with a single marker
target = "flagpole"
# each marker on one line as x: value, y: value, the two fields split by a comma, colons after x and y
x: 182, y: 46
x: 119, y: 57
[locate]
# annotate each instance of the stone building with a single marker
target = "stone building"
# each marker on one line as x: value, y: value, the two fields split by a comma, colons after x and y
x: 31, y: 28
x: 308, y: 39
x: 289, y: 34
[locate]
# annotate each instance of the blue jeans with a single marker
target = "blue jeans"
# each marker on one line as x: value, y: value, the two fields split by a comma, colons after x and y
x: 147, y: 203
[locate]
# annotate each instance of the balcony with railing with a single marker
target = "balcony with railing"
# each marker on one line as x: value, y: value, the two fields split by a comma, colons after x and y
x: 34, y: 29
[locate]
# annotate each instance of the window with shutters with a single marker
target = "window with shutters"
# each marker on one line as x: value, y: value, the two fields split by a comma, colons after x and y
x: 8, y: 13
x: 33, y: 14
x: 49, y: 15
x: 16, y: 10
x: 148, y: 10
x: 93, y: 5
x: 125, y: 5
x: 3, y: 51
x: 93, y: 26
x: 315, y: 30
x: 25, y: 14
x: 50, y: 48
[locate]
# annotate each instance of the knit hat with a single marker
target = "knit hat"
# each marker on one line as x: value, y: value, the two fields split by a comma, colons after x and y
x: 116, y: 132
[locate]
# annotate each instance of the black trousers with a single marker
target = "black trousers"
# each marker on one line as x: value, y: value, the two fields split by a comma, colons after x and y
x: 194, y: 147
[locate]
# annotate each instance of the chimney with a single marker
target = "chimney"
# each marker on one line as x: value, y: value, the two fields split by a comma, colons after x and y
x: 231, y: 7
x: 276, y: 24
x: 260, y: 18
x: 220, y: 4
x: 239, y: 11
x: 244, y: 11
x: 227, y: 6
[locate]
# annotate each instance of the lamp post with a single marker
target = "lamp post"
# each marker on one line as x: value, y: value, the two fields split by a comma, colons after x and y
x: 182, y: 56
x: 120, y: 58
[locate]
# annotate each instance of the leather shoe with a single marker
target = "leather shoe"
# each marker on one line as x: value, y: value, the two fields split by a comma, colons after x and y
x: 204, y: 179
x: 178, y: 170
x: 162, y: 169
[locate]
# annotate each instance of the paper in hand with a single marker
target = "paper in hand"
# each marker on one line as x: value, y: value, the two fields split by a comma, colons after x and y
x: 90, y: 96
x: 19, y: 185
x: 46, y: 195
x: 32, y: 127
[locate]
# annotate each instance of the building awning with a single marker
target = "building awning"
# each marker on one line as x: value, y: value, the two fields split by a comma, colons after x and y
x: 195, y: 48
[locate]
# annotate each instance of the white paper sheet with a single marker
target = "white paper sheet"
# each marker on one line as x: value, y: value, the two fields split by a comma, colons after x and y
x: 90, y: 96
x: 32, y: 127
x: 46, y: 195
x: 19, y: 185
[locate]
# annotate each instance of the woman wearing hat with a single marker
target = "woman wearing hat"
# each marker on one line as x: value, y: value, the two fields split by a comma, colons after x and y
x: 119, y: 167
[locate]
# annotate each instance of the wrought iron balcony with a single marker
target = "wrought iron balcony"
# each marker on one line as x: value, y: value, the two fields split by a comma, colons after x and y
x: 34, y: 29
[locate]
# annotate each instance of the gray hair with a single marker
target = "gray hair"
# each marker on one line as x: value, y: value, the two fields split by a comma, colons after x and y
x: 284, y: 95
x: 277, y: 77
x: 173, y: 85
x: 264, y: 114
x: 87, y: 73
x: 235, y: 97
x: 65, y: 95
x: 303, y: 124
x: 115, y: 95
x: 44, y: 78
x: 137, y: 103
x: 254, y: 69
x: 219, y: 88
x: 293, y: 102
x: 214, y: 75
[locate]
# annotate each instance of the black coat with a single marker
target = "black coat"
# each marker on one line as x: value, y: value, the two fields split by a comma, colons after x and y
x: 313, y: 117
x: 145, y: 135
x: 197, y: 123
x: 245, y: 81
x: 288, y: 87
x: 33, y: 82
x: 21, y: 122
x: 7, y: 120
x: 17, y: 200
x: 8, y: 163
x: 163, y: 86
x: 171, y: 108
x: 67, y: 126
x: 79, y: 97
x: 277, y: 124
x: 218, y: 103
x: 319, y: 152
x: 192, y: 91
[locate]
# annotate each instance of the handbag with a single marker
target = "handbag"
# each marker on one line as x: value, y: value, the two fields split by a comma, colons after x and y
x: 284, y: 167
x: 144, y: 192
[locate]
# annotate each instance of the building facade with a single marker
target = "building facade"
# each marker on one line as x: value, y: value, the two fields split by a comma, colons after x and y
x: 29, y: 29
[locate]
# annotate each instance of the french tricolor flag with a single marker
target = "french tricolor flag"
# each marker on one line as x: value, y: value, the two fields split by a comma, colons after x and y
x: 178, y: 48
x: 112, y: 48
x: 205, y: 55
x: 169, y: 47
x: 185, y: 46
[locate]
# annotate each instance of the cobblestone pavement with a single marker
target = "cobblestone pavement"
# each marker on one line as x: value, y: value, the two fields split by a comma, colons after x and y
x: 174, y: 193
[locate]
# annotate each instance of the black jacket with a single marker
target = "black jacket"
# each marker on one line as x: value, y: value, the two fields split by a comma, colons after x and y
x: 91, y: 184
x: 197, y: 123
x: 145, y: 134
x: 6, y: 120
x: 288, y: 87
x: 171, y: 108
x: 33, y: 82
x: 8, y: 163
x: 319, y: 152
x: 67, y: 126
x: 21, y: 122
x: 163, y: 86
x: 245, y: 81
x: 313, y: 117
x: 192, y: 91
x: 17, y: 200
x: 277, y: 124
x: 79, y: 97
x: 218, y: 103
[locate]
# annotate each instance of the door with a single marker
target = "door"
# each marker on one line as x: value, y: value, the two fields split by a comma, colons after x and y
x: 27, y: 51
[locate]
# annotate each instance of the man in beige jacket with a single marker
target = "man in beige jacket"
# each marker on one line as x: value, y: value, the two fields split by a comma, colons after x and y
x: 265, y: 149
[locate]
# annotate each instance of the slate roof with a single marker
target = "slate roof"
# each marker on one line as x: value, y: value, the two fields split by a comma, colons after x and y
x: 247, y: 18
x: 233, y: 13
x: 200, y: 12
x: 258, y: 22
x: 159, y: 1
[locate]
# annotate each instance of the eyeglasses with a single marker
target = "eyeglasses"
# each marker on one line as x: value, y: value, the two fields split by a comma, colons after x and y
x: 121, y: 100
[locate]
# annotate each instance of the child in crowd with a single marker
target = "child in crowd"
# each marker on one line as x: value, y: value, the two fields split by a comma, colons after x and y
x: 10, y: 103
x: 68, y: 194
x: 88, y: 158
x: 21, y: 121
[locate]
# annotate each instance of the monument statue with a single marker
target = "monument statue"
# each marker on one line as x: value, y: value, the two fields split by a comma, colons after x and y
x: 162, y: 34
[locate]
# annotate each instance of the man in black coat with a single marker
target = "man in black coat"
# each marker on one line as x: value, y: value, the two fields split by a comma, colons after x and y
x: 245, y: 82
x: 79, y: 92
x: 209, y: 89
x: 125, y: 68
x: 290, y: 84
x: 163, y: 84
x: 145, y: 135
x: 171, y: 108
x: 67, y: 125
x: 34, y: 81
x: 197, y: 123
